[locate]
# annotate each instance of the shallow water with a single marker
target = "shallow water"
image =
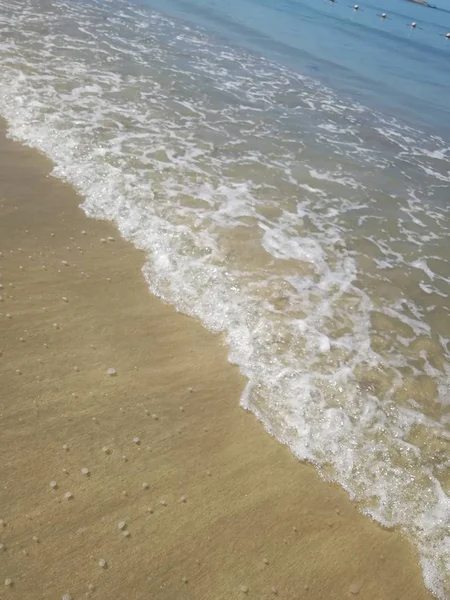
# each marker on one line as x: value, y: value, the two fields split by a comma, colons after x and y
x: 311, y: 230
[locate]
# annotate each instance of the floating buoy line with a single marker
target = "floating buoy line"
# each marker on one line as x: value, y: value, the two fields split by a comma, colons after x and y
x: 383, y: 16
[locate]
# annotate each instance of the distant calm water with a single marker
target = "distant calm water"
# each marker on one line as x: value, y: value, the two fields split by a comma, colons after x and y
x: 381, y: 63
x: 286, y: 167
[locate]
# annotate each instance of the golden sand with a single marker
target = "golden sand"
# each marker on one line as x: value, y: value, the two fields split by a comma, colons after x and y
x: 151, y: 483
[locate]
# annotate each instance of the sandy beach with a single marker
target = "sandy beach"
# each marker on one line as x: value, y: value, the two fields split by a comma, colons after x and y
x: 152, y: 482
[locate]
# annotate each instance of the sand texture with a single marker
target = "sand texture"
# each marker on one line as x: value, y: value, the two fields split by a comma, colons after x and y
x: 184, y: 494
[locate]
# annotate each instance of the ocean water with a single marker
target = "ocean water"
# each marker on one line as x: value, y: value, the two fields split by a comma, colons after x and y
x: 286, y: 168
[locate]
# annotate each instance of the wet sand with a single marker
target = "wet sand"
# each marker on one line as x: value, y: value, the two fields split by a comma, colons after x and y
x: 209, y: 504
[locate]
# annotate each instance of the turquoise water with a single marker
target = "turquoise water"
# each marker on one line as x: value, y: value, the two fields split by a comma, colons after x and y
x: 381, y: 63
x: 286, y: 169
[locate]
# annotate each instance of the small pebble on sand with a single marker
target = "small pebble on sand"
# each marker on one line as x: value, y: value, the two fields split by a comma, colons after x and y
x: 2, y: 547
x: 66, y: 597
x: 354, y: 589
x: 136, y: 441
x: 85, y: 471
x: 163, y: 502
x: 65, y: 447
x: 266, y: 561
x: 35, y: 539
x: 244, y: 589
x: 53, y: 485
x: 103, y: 240
x: 68, y: 496
x: 65, y: 299
x: 111, y: 372
x: 184, y: 580
x: 65, y: 263
x: 122, y: 525
x: 111, y: 239
x: 183, y: 499
x: 145, y: 485
x: 8, y: 582
x: 102, y: 563
x: 126, y: 533
x: 274, y: 591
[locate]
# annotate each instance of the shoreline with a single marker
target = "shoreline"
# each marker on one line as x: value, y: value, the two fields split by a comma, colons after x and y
x: 214, y: 506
